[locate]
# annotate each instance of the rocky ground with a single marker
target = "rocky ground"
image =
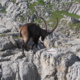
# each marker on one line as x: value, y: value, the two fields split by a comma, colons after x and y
x: 58, y: 60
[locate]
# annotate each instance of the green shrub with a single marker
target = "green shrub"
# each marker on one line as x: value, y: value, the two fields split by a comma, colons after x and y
x: 3, y: 10
x: 40, y: 1
x: 75, y: 26
x: 14, y: 1
x: 21, y: 18
x: 16, y: 37
x: 72, y: 1
x: 78, y: 0
x: 59, y: 15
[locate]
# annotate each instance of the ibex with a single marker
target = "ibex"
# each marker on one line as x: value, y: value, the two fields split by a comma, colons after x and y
x: 33, y: 30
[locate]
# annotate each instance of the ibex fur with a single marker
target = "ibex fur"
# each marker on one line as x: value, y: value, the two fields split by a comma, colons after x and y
x: 33, y: 30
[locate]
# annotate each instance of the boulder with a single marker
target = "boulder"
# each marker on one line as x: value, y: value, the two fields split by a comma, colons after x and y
x: 9, y: 24
x: 74, y: 72
x: 44, y: 64
x: 8, y: 73
x: 52, y: 64
x: 5, y: 43
x: 75, y: 20
x: 18, y: 1
x: 50, y: 40
x: 19, y: 70
x: 3, y: 29
x: 28, y: 71
x: 10, y: 8
x: 3, y: 3
x: 74, y: 8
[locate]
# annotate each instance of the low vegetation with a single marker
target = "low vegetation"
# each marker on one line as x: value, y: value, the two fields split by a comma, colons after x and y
x: 3, y: 34
x: 17, y: 37
x: 70, y: 44
x: 21, y: 18
x: 59, y: 15
x: 75, y: 26
x: 3, y: 10
x: 14, y: 1
x: 72, y: 1
x: 77, y: 0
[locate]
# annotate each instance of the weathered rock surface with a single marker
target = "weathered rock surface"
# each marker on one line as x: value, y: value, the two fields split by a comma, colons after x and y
x: 74, y: 72
x: 46, y: 64
x: 7, y: 43
x: 4, y: 29
x: 19, y: 70
x: 60, y: 60
x: 40, y: 63
x: 53, y: 64
x: 3, y: 3
x: 74, y: 8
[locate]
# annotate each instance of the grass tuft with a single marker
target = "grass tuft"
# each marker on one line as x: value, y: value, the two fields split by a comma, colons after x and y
x: 3, y: 10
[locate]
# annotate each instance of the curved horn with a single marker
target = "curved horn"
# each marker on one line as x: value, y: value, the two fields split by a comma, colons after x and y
x: 54, y: 27
x: 44, y: 23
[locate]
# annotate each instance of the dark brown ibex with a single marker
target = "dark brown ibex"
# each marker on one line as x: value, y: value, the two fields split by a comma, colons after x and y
x: 33, y: 30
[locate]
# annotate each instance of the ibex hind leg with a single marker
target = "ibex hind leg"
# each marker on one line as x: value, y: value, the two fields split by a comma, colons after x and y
x: 24, y: 43
x: 23, y: 46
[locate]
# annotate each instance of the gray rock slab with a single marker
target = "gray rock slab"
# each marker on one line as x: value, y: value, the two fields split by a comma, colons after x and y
x: 5, y: 43
x: 74, y: 72
x: 3, y: 29
x: 52, y: 64
x: 44, y: 64
x: 21, y: 70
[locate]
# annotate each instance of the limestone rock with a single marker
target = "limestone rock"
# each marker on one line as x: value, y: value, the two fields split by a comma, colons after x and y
x: 74, y: 8
x: 44, y: 64
x: 28, y: 71
x: 52, y: 65
x: 59, y: 63
x: 75, y: 20
x: 19, y: 70
x: 3, y: 2
x: 4, y: 29
x: 17, y: 1
x: 5, y: 43
x: 74, y: 72
x: 9, y: 24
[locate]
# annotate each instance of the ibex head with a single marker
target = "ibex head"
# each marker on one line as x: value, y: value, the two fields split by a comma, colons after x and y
x: 44, y: 33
